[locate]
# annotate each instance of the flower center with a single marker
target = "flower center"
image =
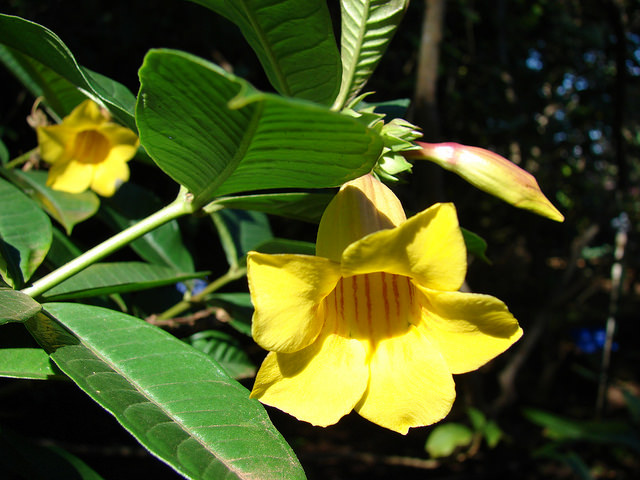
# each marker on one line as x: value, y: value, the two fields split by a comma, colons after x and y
x: 373, y: 306
x: 90, y: 146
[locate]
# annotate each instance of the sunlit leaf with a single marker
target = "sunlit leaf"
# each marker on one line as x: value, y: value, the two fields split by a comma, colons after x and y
x: 25, y: 235
x: 44, y: 46
x: 116, y: 277
x: 258, y: 141
x: 175, y: 400
x: 68, y: 209
x: 294, y: 41
x: 28, y: 363
x: 367, y: 29
x: 446, y: 437
x: 15, y: 306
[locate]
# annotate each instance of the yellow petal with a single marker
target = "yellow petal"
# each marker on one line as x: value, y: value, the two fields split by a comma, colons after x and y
x: 286, y: 291
x: 87, y: 115
x: 362, y: 206
x: 70, y: 176
x: 319, y: 384
x: 428, y: 247
x: 410, y: 384
x: 108, y: 176
x: 121, y: 137
x: 468, y: 329
x: 53, y: 141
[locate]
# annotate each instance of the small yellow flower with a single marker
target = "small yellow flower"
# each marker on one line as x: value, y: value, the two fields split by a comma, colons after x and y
x: 375, y: 322
x: 87, y: 150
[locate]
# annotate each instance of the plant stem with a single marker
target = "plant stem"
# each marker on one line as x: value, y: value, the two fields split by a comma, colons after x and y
x: 178, y: 308
x: 24, y: 158
x: 180, y: 206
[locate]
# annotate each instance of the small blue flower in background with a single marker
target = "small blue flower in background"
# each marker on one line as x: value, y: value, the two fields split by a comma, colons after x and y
x: 591, y: 339
x: 198, y: 285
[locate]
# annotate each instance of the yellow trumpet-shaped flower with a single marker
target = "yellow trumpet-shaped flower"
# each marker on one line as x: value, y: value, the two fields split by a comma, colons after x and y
x: 87, y: 150
x: 375, y: 322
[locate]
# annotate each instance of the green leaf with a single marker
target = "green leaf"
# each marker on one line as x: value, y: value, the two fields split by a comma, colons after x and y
x: 567, y: 429
x: 367, y: 29
x: 176, y: 401
x: 25, y: 235
x: 294, y: 41
x: 225, y: 350
x: 445, y: 438
x: 60, y: 95
x: 162, y: 246
x: 116, y: 277
x: 45, y: 47
x: 15, y: 306
x: 492, y: 434
x: 303, y: 206
x: 62, y: 250
x: 476, y: 245
x: 285, y: 245
x: 240, y: 231
x: 478, y: 419
x: 28, y: 363
x: 22, y: 459
x: 67, y: 208
x: 265, y: 141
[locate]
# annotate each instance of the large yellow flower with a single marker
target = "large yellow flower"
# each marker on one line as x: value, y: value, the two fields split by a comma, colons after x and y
x: 375, y: 322
x: 87, y: 150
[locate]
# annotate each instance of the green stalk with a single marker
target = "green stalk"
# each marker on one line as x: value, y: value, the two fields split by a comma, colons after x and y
x: 181, y: 206
x: 24, y: 158
x: 178, y: 308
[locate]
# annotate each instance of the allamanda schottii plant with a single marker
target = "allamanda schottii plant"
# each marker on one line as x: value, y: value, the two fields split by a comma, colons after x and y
x: 370, y: 319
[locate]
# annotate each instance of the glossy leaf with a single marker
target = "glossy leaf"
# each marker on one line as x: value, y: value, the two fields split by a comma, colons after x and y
x: 225, y: 350
x: 116, y: 277
x: 15, y: 306
x: 28, y: 363
x: 303, y: 206
x: 367, y: 29
x: 258, y: 141
x: 162, y: 246
x: 240, y: 231
x: 25, y: 235
x: 294, y: 41
x: 60, y: 95
x: 175, y: 400
x: 45, y: 47
x: 68, y: 209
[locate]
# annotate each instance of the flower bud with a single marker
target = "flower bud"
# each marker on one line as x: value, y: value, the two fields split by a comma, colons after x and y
x: 362, y: 206
x: 491, y: 173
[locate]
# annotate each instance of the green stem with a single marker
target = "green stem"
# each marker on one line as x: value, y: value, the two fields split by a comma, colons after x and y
x: 178, y: 308
x: 180, y: 206
x: 24, y: 158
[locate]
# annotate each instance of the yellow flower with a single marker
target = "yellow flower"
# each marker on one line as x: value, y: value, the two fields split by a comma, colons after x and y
x: 374, y: 323
x: 87, y: 150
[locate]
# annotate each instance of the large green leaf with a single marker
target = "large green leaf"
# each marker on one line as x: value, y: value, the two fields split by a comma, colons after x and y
x: 60, y: 95
x: 162, y: 246
x: 264, y: 141
x: 31, y: 363
x: 116, y: 277
x: 45, y: 47
x: 15, y: 306
x: 303, y: 206
x: 294, y: 41
x: 67, y: 208
x: 25, y: 235
x: 174, y: 399
x: 367, y: 29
